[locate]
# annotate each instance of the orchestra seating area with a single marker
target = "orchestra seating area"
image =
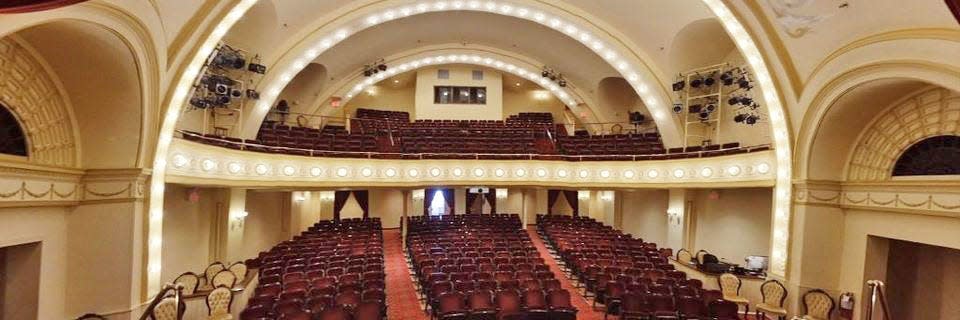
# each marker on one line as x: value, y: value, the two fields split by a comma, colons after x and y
x: 483, y: 267
x: 334, y: 270
x: 626, y: 275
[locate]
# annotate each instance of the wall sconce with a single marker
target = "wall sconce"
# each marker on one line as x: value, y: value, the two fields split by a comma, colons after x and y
x: 606, y: 195
x: 583, y: 195
x: 673, y: 216
x: 236, y: 221
x: 418, y: 194
x: 501, y: 193
x: 326, y: 196
x: 299, y: 197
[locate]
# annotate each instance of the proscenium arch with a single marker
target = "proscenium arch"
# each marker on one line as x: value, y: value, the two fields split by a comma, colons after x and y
x: 448, y: 54
x: 643, y: 79
x: 181, y: 86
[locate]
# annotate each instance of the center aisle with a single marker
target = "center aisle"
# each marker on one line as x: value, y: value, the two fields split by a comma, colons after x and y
x: 402, y: 302
x: 586, y: 312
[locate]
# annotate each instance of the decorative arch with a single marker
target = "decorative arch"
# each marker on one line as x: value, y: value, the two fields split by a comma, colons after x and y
x: 35, y: 97
x: 939, y: 155
x: 12, y: 139
x: 929, y: 113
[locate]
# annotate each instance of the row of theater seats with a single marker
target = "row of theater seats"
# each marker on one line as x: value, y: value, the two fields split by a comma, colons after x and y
x: 332, y: 271
x: 483, y: 267
x: 628, y: 276
x: 619, y: 144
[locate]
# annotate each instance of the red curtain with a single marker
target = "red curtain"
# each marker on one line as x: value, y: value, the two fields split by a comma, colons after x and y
x: 427, y: 200
x: 339, y: 199
x: 471, y: 197
x: 573, y: 200
x: 551, y: 199
x: 954, y: 6
x: 363, y: 199
x: 448, y: 195
x: 492, y: 199
x: 23, y: 6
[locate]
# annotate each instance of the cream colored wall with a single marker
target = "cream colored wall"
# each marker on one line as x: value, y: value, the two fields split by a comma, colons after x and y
x: 460, y: 202
x: 562, y: 206
x: 514, y: 203
x: 387, y: 204
x: 49, y: 226
x: 734, y: 226
x: 459, y: 76
x: 104, y: 254
x: 351, y: 209
x: 264, y: 227
x: 304, y: 210
x: 384, y: 96
x: 186, y: 230
x: 644, y: 214
x: 530, y: 98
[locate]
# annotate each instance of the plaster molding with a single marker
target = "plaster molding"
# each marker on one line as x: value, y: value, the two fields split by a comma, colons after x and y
x: 895, y: 197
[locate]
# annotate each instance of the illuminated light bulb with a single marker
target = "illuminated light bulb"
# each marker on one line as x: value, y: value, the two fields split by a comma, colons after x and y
x: 406, y: 11
x: 490, y: 6
x: 156, y: 215
x: 499, y: 172
x: 678, y: 173
x: 342, y: 172
x: 653, y: 174
x: 413, y: 172
x: 341, y: 34
x: 422, y: 7
x: 539, y: 17
x: 562, y: 173
x: 457, y: 5
x: 555, y: 23
x: 604, y: 173
x: 474, y: 4
x: 390, y: 172
x: 209, y: 165
x: 520, y: 172
x: 457, y: 172
x: 522, y: 12
x: 180, y: 160
x: 372, y: 20
x: 289, y: 170
x: 763, y: 168
x: 316, y: 171
x: 542, y: 172
x: 629, y: 174
x: 583, y: 174
x: 706, y: 172
x: 435, y: 172
x: 479, y: 172
x: 366, y: 172
x: 733, y: 170
x: 506, y: 9
x: 234, y: 167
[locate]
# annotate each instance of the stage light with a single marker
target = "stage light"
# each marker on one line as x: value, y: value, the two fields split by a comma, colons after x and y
x: 382, y: 67
x: 751, y: 119
x: 677, y: 108
x: 695, y: 108
x: 734, y: 100
x: 545, y: 73
x: 727, y: 78
x: 739, y: 118
x: 221, y: 88
x: 198, y: 103
x: 709, y: 81
x: 257, y: 68
x: 710, y: 107
x: 703, y: 115
x: 222, y: 100
x: 562, y: 83
x: 744, y: 83
x: 253, y: 94
x: 679, y: 85
x: 228, y: 58
x: 696, y: 83
x: 367, y: 73
x: 236, y: 93
x: 746, y: 101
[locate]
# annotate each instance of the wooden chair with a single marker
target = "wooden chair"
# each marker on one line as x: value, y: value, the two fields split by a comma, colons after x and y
x: 817, y: 305
x: 730, y: 287
x: 773, y: 293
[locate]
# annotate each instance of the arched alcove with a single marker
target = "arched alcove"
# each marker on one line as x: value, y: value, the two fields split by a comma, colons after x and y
x: 701, y: 43
x: 939, y: 155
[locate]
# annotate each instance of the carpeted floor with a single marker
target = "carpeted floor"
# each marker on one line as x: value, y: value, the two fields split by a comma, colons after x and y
x: 586, y: 311
x: 402, y: 302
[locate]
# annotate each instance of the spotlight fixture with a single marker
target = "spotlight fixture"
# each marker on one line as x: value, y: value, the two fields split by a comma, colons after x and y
x: 679, y: 85
x: 744, y: 83
x: 199, y: 103
x: 695, y: 108
x: 696, y: 82
x: 709, y: 81
x: 734, y: 100
x: 257, y: 68
x: 253, y: 94
x: 703, y: 116
x: 553, y: 75
x: 710, y: 107
x: 739, y: 118
x: 727, y: 78
x: 374, y: 68
x: 227, y: 57
x: 236, y: 93
x: 677, y: 108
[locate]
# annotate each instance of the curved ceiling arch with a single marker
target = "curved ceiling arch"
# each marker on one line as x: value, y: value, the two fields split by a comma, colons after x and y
x: 780, y: 232
x: 643, y: 79
x: 509, y: 62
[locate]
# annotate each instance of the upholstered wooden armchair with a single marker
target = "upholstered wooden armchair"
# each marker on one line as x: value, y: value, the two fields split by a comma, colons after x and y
x: 224, y: 278
x: 239, y: 269
x: 773, y: 293
x: 208, y: 275
x: 684, y: 256
x: 218, y: 303
x: 730, y: 287
x: 189, y: 280
x: 817, y: 305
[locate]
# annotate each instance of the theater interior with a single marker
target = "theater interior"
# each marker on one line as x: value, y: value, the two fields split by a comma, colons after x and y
x: 479, y: 159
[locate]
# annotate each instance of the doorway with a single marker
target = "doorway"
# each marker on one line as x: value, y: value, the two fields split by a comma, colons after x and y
x: 20, y: 281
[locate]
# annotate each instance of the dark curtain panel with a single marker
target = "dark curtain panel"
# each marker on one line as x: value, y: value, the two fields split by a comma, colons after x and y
x: 363, y: 199
x: 448, y: 195
x: 954, y: 6
x: 22, y: 6
x: 427, y: 200
x: 573, y: 200
x: 339, y: 199
x: 551, y: 199
x: 471, y: 197
x: 492, y: 199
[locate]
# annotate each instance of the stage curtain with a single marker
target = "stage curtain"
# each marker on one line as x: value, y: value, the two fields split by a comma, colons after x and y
x: 339, y: 200
x: 427, y: 200
x: 573, y: 200
x: 551, y: 199
x: 449, y: 196
x: 363, y: 199
x: 24, y: 6
x: 471, y: 197
x: 492, y: 199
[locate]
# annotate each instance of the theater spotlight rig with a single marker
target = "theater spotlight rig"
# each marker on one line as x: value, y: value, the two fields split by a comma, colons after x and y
x: 224, y: 85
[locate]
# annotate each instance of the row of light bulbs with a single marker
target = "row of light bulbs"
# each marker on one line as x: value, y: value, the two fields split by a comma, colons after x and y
x: 555, y: 89
x: 237, y: 168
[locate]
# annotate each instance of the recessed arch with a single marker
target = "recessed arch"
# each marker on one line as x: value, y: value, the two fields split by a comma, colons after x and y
x: 13, y: 141
x: 937, y: 155
x: 700, y: 43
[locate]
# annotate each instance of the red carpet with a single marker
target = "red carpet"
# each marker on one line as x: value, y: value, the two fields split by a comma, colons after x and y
x: 586, y: 311
x: 402, y: 302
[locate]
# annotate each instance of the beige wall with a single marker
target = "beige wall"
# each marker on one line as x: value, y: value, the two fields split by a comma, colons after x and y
x: 186, y: 230
x: 734, y: 226
x: 264, y: 226
x: 644, y: 214
x: 387, y: 204
x: 49, y: 226
x: 384, y: 96
x: 530, y: 98
x: 459, y: 76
